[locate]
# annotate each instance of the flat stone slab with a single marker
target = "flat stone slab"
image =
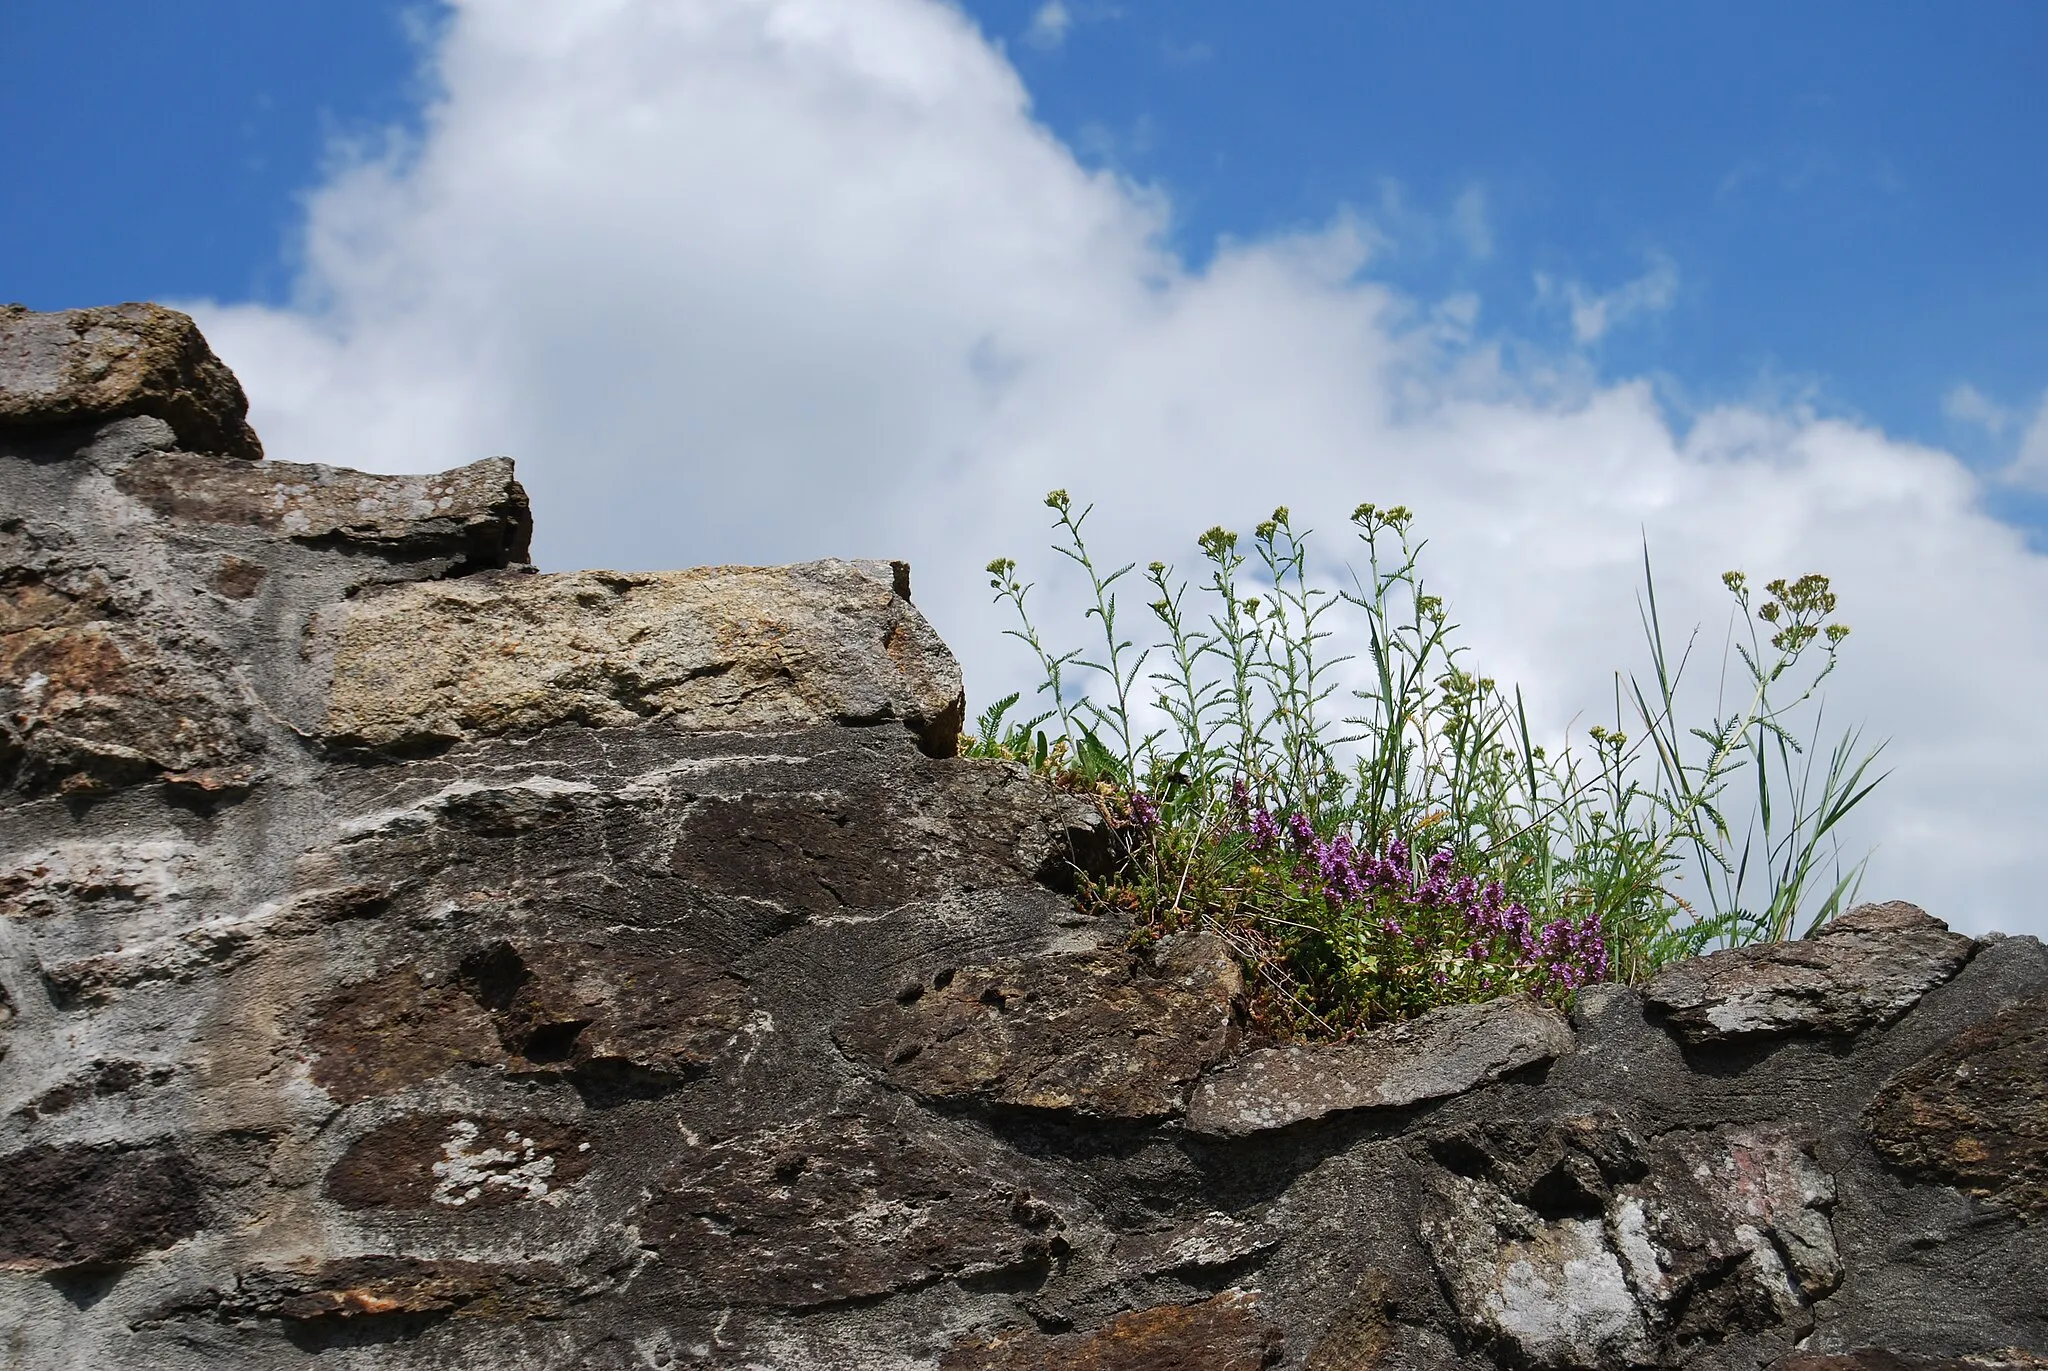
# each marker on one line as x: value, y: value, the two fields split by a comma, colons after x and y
x: 1100, y: 1034
x: 117, y: 362
x: 706, y: 650
x: 1866, y: 967
x: 1445, y: 1052
x: 478, y: 512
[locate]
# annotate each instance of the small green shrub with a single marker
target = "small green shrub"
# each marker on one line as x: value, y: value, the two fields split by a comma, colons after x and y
x: 1317, y: 775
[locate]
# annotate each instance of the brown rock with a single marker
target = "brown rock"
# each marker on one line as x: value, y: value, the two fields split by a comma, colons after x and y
x: 356, y: 1287
x: 239, y: 578
x: 705, y: 650
x: 116, y: 362
x: 392, y: 1031
x: 1224, y: 1333
x: 379, y: 1287
x: 1100, y: 1034
x: 1974, y: 1112
x: 575, y: 1006
x: 836, y: 1209
x: 1445, y: 1052
x: 94, y: 697
x: 80, y: 1206
x: 477, y: 514
x: 1864, y: 968
x: 458, y: 1162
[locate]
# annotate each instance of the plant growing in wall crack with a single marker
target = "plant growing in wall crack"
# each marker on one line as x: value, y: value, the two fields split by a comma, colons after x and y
x: 1318, y: 775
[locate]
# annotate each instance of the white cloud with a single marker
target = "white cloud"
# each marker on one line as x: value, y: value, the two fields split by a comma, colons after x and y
x: 2028, y: 466
x: 1469, y: 223
x: 1594, y: 313
x: 1049, y: 25
x: 793, y: 278
x: 1966, y: 404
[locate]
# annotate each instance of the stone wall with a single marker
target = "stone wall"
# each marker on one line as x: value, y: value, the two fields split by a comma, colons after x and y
x: 412, y: 961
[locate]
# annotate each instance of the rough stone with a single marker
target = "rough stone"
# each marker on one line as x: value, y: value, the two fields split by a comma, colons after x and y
x: 1974, y: 1112
x: 606, y: 1013
x: 118, y: 361
x: 93, y: 697
x: 73, y: 1205
x: 1098, y: 1034
x: 1867, y: 966
x: 1443, y: 1053
x: 1224, y: 1333
x: 372, y: 1288
x: 477, y: 514
x: 393, y: 1031
x: 588, y: 1007
x: 1575, y: 1243
x: 1549, y: 1293
x: 839, y: 1209
x: 716, y: 648
x: 459, y: 1163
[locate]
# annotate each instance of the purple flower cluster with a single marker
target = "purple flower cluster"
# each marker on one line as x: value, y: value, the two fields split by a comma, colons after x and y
x: 1493, y: 934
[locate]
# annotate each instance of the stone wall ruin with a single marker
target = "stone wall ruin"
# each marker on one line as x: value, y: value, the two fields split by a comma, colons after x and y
x: 409, y: 960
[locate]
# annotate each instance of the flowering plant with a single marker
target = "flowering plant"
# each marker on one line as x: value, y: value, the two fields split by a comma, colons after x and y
x: 1408, y: 843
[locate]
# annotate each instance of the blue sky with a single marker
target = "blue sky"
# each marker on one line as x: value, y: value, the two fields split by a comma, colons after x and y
x: 767, y: 280
x: 1840, y: 202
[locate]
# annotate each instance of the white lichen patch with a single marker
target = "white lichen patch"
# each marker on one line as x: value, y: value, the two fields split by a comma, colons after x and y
x: 469, y: 1171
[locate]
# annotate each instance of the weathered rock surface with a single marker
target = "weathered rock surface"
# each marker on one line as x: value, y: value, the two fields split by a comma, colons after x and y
x: 476, y: 515
x: 713, y: 649
x: 1868, y: 966
x: 1220, y: 1334
x: 1446, y: 1052
x: 408, y: 960
x: 1974, y: 1112
x: 118, y: 362
x: 1098, y: 1034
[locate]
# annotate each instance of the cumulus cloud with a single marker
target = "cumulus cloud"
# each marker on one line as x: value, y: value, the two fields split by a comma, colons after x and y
x: 792, y: 278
